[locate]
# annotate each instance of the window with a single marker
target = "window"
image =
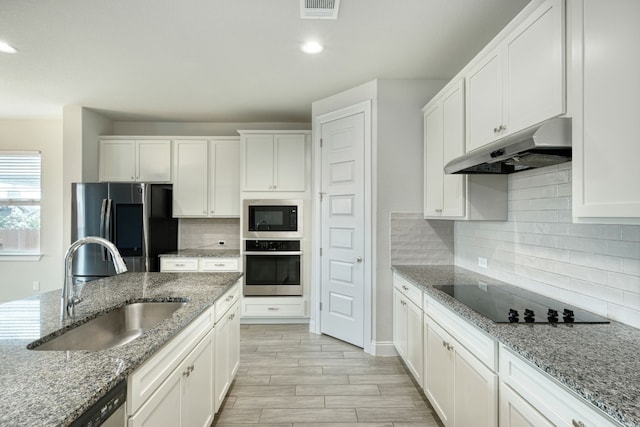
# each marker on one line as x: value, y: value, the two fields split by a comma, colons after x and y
x: 19, y: 203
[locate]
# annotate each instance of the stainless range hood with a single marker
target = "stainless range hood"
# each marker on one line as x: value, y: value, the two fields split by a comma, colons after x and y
x: 545, y: 144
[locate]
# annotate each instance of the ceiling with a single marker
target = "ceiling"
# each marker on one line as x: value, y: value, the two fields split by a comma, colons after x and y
x: 225, y: 60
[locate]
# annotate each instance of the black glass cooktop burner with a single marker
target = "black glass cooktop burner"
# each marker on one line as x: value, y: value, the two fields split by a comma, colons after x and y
x: 511, y: 304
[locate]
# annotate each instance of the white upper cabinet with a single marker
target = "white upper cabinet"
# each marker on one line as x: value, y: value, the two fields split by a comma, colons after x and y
x: 473, y: 197
x: 274, y: 161
x: 522, y: 81
x: 444, y: 140
x: 206, y: 178
x: 128, y: 160
x: 224, y: 178
x: 484, y: 102
x: 605, y: 69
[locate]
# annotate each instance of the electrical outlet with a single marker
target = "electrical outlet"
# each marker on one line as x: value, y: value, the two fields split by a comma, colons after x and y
x: 222, y: 242
x: 482, y: 262
x: 35, y: 285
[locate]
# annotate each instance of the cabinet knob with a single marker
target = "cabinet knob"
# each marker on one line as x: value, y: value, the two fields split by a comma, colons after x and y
x: 359, y: 259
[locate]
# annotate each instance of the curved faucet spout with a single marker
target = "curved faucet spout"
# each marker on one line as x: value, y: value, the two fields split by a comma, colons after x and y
x: 69, y: 300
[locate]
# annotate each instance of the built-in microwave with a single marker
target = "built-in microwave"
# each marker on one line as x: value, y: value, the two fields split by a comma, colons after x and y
x: 269, y: 219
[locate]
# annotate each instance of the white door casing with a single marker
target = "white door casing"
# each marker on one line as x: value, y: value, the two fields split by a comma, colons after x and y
x: 342, y: 230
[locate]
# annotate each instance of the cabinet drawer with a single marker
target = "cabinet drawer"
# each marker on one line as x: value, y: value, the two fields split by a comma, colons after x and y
x: 178, y: 264
x: 473, y: 339
x: 225, y: 302
x: 218, y: 264
x: 551, y: 399
x: 409, y: 290
x: 273, y: 307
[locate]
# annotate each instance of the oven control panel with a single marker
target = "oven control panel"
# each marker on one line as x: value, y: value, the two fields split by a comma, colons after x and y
x: 272, y: 245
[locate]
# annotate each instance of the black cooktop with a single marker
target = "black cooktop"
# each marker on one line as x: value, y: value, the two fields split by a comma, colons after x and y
x: 511, y: 304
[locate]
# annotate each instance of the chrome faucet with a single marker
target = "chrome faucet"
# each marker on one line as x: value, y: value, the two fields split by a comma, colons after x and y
x: 69, y: 299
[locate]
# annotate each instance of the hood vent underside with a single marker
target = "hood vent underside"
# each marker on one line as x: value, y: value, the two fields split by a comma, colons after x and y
x: 545, y: 144
x: 319, y: 9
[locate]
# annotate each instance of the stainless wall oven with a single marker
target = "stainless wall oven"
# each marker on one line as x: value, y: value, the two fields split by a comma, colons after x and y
x: 272, y: 268
x: 272, y: 219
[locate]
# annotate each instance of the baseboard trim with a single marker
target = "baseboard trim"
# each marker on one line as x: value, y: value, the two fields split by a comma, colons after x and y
x: 273, y: 320
x: 383, y: 348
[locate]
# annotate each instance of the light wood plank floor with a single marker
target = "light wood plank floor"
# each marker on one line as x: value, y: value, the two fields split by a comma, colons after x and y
x: 289, y: 377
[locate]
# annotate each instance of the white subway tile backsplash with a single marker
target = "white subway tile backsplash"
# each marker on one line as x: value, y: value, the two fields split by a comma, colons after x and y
x: 415, y: 241
x: 582, y: 244
x: 631, y: 233
x: 594, y: 266
x: 623, y: 249
x: 204, y: 233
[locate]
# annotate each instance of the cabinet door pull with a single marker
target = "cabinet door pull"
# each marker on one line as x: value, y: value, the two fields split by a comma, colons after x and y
x: 578, y: 423
x: 272, y: 308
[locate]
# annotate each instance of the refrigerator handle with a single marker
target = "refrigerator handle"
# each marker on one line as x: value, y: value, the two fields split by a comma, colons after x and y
x: 146, y: 206
x: 103, y: 212
x: 107, y: 222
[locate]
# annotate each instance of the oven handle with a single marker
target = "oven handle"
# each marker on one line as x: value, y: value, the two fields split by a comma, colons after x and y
x: 274, y: 253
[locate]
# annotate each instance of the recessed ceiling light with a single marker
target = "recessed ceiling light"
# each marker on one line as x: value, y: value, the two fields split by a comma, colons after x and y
x: 312, y: 47
x: 7, y: 48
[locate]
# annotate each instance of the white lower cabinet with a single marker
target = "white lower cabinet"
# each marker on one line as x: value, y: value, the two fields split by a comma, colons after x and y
x: 273, y: 307
x: 184, y: 399
x: 547, y: 402
x: 462, y: 390
x: 516, y: 412
x: 184, y: 383
x: 407, y: 333
x: 173, y: 389
x: 227, y: 354
x: 407, y: 325
x: 198, y: 264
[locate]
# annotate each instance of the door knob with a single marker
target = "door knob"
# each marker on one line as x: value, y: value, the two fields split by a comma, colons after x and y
x: 359, y: 259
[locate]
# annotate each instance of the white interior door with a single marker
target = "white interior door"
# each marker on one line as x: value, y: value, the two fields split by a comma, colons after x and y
x: 342, y: 230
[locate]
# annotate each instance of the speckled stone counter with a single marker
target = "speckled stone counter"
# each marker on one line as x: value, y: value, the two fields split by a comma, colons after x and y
x: 200, y: 253
x: 601, y: 363
x: 52, y: 388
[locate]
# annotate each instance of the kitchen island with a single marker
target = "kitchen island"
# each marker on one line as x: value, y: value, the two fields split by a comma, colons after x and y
x: 597, y: 362
x: 53, y: 388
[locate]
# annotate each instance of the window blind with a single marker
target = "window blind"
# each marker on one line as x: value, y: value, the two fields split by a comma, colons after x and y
x: 20, y: 176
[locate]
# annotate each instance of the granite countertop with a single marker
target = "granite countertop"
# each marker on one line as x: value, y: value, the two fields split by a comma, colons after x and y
x: 53, y: 388
x: 203, y: 253
x: 599, y: 362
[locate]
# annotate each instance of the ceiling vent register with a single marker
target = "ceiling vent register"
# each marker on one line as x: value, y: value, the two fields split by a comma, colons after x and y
x: 319, y: 9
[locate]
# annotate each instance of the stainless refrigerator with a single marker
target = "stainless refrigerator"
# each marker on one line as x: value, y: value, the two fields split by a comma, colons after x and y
x: 137, y: 218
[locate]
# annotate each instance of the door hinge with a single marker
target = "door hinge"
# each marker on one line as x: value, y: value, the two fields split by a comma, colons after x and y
x: 321, y: 196
x: 320, y: 251
x: 320, y: 306
x: 320, y: 142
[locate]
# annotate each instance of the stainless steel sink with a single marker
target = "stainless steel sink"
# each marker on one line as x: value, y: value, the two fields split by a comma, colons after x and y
x: 113, y: 328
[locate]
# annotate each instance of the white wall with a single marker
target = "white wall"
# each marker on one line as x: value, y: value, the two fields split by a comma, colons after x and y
x: 396, y: 172
x: 46, y: 136
x: 81, y: 132
x: 593, y: 266
x: 398, y: 184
